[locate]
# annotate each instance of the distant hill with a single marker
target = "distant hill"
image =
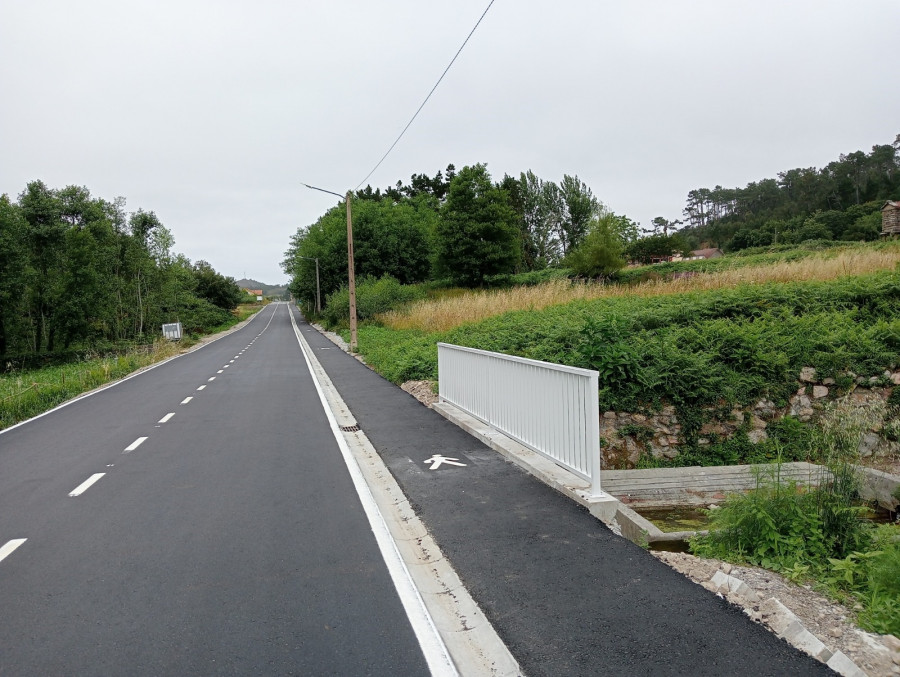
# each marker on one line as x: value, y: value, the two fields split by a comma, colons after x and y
x: 267, y: 289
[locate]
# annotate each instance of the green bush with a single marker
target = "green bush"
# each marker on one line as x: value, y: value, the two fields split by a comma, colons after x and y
x: 373, y: 296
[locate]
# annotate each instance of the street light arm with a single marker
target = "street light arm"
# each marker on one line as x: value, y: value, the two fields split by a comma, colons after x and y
x: 321, y: 190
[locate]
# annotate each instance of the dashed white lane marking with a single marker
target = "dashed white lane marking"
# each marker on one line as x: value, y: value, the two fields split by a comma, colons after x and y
x: 84, y: 486
x: 134, y: 445
x: 186, y: 400
x: 227, y: 365
x: 232, y: 361
x: 201, y: 388
x: 10, y: 546
x: 167, y: 417
x: 211, y: 378
x: 220, y: 371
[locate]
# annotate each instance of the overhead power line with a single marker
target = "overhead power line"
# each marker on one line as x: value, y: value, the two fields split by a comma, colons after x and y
x: 427, y: 97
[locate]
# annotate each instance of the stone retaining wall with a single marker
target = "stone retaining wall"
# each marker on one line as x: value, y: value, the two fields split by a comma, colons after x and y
x: 626, y: 436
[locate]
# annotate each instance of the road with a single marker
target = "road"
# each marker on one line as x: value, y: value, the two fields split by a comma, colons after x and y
x: 214, y: 528
x: 200, y: 518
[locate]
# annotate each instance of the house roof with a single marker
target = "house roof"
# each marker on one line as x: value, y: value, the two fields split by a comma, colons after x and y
x: 891, y: 203
x: 706, y: 253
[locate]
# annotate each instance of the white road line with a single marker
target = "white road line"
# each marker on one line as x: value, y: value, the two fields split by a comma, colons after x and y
x: 227, y: 365
x: 211, y: 378
x: 84, y: 486
x: 201, y: 388
x: 10, y: 546
x: 430, y: 641
x: 186, y: 400
x: 167, y: 417
x: 134, y: 445
x: 128, y: 378
x: 232, y: 361
x: 220, y: 371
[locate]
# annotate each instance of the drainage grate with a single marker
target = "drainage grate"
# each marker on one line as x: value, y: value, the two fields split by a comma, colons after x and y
x: 350, y: 428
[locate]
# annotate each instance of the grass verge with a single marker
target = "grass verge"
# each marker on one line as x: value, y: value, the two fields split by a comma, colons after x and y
x: 27, y: 393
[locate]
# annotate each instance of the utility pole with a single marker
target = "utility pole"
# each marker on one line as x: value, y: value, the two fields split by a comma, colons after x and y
x: 352, y: 277
x: 350, y: 266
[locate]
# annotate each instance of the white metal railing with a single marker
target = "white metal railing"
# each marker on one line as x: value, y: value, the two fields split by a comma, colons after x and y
x: 551, y: 408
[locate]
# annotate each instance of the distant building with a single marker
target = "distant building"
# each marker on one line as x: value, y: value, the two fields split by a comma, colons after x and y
x: 713, y: 253
x: 253, y: 292
x: 890, y: 218
x: 698, y: 254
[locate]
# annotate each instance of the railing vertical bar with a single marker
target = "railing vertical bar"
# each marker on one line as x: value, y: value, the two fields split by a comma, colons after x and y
x: 553, y: 409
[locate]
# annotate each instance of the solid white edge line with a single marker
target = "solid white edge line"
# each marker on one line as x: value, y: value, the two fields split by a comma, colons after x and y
x: 433, y: 648
x: 167, y: 417
x: 10, y: 546
x: 186, y: 400
x: 134, y: 445
x: 128, y: 378
x: 84, y: 486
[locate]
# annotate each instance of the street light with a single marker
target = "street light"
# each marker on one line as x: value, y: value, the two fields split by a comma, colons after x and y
x: 318, y: 291
x: 350, y: 265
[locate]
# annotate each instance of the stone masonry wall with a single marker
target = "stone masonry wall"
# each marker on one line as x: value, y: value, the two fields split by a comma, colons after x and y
x: 625, y: 436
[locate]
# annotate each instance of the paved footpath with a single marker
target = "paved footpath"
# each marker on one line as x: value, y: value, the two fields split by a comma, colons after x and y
x: 565, y: 594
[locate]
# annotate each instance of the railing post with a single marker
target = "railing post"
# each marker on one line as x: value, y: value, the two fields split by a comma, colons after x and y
x: 594, y: 433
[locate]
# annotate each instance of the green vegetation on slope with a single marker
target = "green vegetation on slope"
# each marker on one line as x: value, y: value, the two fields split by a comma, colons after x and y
x: 697, y: 350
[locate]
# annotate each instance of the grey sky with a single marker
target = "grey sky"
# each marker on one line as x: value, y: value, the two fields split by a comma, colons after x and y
x: 211, y: 113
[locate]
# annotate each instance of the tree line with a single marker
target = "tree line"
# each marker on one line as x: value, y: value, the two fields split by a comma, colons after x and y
x: 463, y: 227
x: 841, y: 201
x: 79, y: 272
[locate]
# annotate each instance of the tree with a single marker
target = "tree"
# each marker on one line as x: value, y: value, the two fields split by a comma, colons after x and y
x: 655, y: 248
x: 389, y: 238
x: 13, y: 281
x: 219, y: 290
x: 580, y: 207
x: 600, y: 252
x: 45, y: 236
x: 476, y: 234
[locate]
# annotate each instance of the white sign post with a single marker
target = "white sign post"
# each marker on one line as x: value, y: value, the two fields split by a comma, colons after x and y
x: 172, y: 331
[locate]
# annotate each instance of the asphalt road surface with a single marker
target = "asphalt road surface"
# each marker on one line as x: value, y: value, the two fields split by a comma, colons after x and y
x: 566, y: 595
x: 214, y: 528
x: 199, y: 519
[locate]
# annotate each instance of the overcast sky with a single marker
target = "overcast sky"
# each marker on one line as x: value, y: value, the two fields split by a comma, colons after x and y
x: 212, y: 113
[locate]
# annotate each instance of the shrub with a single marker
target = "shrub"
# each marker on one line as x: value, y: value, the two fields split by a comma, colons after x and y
x: 373, y: 296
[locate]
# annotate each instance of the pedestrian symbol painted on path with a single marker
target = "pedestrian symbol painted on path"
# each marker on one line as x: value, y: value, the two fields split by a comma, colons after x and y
x: 437, y: 461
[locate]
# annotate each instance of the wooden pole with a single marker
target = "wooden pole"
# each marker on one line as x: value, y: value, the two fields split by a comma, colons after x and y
x: 351, y: 276
x: 318, y: 291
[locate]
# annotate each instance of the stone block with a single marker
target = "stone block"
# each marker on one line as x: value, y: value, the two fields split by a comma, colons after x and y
x: 809, y: 643
x: 819, y: 392
x: 844, y: 666
x: 895, y: 378
x: 609, y: 415
x: 828, y: 381
x: 777, y: 615
x: 757, y: 436
x: 808, y: 375
x: 757, y: 423
x: 868, y: 444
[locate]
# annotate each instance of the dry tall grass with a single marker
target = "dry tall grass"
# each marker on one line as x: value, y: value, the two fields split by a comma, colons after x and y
x: 446, y: 313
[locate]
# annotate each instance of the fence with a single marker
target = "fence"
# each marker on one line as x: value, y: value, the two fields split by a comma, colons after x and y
x: 550, y: 408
